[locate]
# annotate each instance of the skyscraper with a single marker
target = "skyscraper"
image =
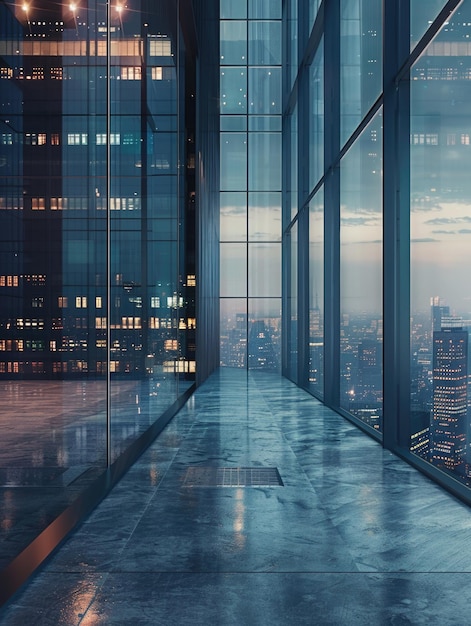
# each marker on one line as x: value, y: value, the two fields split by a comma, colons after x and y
x: 438, y: 310
x: 449, y: 410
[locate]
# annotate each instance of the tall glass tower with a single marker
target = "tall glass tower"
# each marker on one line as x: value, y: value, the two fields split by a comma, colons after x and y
x: 448, y: 423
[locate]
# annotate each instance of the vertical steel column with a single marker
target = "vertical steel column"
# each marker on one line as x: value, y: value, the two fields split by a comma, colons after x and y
x: 332, y: 203
x: 303, y: 212
x: 285, y: 198
x: 396, y: 227
x: 108, y: 232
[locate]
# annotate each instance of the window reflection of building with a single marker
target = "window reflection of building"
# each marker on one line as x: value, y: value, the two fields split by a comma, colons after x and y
x: 53, y: 71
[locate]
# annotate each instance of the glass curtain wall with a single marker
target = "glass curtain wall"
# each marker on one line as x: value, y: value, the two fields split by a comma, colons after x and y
x: 250, y: 183
x: 377, y: 311
x: 440, y: 158
x: 96, y: 183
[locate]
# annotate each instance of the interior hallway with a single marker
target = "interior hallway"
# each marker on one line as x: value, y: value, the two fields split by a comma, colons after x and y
x: 354, y: 536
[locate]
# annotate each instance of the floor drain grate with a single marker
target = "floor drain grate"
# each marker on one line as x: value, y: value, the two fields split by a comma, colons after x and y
x: 232, y: 477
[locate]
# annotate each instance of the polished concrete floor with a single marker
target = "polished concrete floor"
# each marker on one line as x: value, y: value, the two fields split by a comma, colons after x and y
x: 353, y: 536
x: 53, y: 437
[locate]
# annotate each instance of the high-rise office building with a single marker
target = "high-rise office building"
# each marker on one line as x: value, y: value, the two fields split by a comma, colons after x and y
x: 439, y: 310
x: 448, y: 423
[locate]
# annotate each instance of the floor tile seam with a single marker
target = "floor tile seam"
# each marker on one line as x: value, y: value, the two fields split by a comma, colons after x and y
x: 156, y: 490
x: 105, y: 574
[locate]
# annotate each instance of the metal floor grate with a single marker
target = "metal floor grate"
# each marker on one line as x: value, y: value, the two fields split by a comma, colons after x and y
x: 232, y: 477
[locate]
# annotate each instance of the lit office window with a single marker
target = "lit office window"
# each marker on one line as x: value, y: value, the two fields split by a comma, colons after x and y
x: 38, y: 73
x: 38, y: 204
x: 77, y: 139
x: 131, y: 73
x: 157, y: 73
x: 160, y: 47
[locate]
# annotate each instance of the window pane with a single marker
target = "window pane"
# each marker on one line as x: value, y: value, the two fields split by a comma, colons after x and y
x: 233, y: 44
x: 233, y: 270
x: 361, y: 60
x: 264, y: 270
x: 264, y: 90
x: 233, y: 161
x: 316, y: 293
x: 265, y: 217
x: 292, y: 308
x: 422, y: 14
x: 264, y: 9
x: 440, y: 154
x: 265, y: 123
x: 264, y: 339
x: 233, y: 123
x: 361, y: 323
x: 264, y: 43
x: 316, y: 118
x: 233, y: 315
x: 233, y: 10
x: 233, y: 216
x: 265, y: 161
x: 291, y: 147
x: 292, y: 44
x: 233, y: 90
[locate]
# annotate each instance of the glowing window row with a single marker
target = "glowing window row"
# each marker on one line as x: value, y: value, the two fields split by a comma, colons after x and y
x: 433, y: 139
x: 81, y: 204
x: 125, y: 72
x: 13, y: 280
x: 127, y: 323
x: 73, y: 139
x: 158, y: 47
x: 176, y: 366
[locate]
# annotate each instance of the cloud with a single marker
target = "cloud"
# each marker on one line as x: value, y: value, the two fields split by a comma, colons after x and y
x: 424, y: 240
x: 359, y: 221
x: 444, y: 221
x: 362, y: 243
x: 265, y: 236
x: 461, y: 231
x: 233, y: 210
x: 425, y: 206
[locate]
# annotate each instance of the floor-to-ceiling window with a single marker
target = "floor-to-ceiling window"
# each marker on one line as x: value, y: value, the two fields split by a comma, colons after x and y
x: 97, y: 318
x: 250, y: 201
x: 361, y: 327
x: 440, y: 156
x: 375, y: 147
